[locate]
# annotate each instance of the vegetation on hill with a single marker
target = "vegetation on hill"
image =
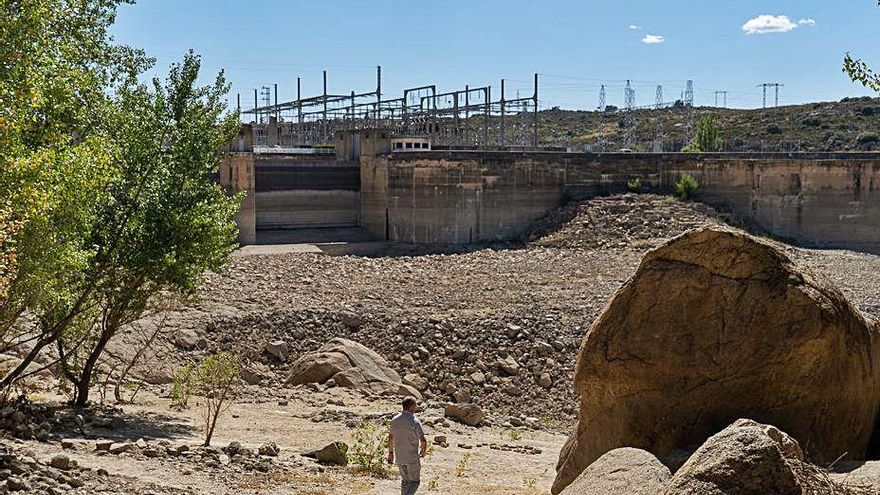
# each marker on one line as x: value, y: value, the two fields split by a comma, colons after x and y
x: 852, y: 124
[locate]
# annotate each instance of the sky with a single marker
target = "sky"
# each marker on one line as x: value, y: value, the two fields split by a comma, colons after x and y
x: 574, y: 46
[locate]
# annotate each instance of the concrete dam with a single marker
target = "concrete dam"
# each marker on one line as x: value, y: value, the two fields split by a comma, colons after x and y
x: 386, y: 191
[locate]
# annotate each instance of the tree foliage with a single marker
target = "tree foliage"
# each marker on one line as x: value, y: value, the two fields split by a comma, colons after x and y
x: 107, y: 197
x: 166, y: 221
x: 708, y: 137
x: 860, y: 71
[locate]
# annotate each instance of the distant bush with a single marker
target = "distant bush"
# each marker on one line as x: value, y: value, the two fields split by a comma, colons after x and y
x: 774, y: 129
x: 867, y: 138
x: 686, y: 187
x: 707, y: 139
x: 634, y: 185
x: 866, y: 111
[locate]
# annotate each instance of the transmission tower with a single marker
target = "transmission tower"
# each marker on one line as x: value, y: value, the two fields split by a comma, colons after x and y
x: 689, y: 93
x: 724, y: 95
x: 658, y: 100
x: 629, y: 102
x: 629, y: 96
x: 602, y: 98
x: 771, y: 85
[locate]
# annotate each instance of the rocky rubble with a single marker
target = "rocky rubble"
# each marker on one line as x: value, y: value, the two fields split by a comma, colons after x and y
x: 644, y: 220
x: 22, y: 472
x: 490, y: 326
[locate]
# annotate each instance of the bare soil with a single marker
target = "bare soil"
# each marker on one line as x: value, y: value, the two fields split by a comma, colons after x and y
x: 453, y: 315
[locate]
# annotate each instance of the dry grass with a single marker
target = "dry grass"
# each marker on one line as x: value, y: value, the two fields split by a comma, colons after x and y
x: 814, y: 480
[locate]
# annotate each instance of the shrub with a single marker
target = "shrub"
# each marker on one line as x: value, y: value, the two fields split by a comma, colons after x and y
x: 369, y: 447
x: 686, y: 187
x: 217, y: 378
x: 867, y: 138
x: 707, y: 139
x: 515, y: 434
x: 461, y: 469
x: 774, y: 129
x: 182, y: 385
x: 634, y: 185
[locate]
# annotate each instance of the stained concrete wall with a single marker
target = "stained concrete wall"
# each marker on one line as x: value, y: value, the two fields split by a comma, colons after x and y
x: 236, y: 175
x: 302, y: 191
x: 824, y: 199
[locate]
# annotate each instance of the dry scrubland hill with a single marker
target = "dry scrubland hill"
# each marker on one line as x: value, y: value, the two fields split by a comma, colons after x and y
x: 502, y: 326
x: 852, y: 124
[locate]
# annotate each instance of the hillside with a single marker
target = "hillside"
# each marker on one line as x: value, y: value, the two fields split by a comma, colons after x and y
x: 852, y: 124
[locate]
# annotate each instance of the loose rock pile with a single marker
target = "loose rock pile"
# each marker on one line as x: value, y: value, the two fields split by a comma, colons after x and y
x: 644, y: 220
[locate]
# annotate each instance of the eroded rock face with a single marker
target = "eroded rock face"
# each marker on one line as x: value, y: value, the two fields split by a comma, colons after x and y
x: 624, y: 471
x: 716, y: 325
x: 746, y: 458
x: 349, y: 364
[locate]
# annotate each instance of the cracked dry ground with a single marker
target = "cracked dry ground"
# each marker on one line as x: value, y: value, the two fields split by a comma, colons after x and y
x: 453, y: 316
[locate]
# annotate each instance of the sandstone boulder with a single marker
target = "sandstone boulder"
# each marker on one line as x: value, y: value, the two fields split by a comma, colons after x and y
x: 746, y: 458
x: 335, y: 453
x: 624, y: 471
x: 716, y: 325
x: 469, y: 414
x: 349, y: 364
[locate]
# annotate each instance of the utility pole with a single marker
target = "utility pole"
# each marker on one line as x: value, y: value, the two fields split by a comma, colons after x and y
x: 602, y: 98
x: 658, y: 99
x: 501, y: 141
x: 776, y: 86
x: 536, y: 110
x: 724, y: 95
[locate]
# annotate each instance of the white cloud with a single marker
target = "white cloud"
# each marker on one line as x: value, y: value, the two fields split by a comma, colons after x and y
x: 653, y: 39
x: 635, y: 27
x: 768, y: 24
x: 807, y: 22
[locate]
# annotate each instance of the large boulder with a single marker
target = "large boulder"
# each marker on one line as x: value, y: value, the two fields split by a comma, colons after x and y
x: 746, y: 458
x: 469, y: 414
x: 349, y: 364
x: 624, y: 471
x: 716, y: 325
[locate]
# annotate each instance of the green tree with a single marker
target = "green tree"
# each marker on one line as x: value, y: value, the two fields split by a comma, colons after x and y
x: 107, y: 200
x: 708, y: 138
x: 57, y: 63
x: 166, y: 222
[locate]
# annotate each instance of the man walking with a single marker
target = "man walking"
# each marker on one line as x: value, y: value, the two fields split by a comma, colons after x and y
x: 406, y: 444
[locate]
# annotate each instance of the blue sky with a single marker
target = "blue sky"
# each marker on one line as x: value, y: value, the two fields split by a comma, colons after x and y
x: 574, y: 45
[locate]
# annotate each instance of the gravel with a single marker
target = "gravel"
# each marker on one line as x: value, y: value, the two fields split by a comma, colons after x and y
x: 462, y: 321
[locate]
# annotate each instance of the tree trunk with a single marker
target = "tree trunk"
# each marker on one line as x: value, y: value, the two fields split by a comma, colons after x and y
x: 14, y: 373
x: 85, y: 377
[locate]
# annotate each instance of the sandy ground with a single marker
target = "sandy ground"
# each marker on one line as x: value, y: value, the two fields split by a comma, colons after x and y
x: 450, y: 470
